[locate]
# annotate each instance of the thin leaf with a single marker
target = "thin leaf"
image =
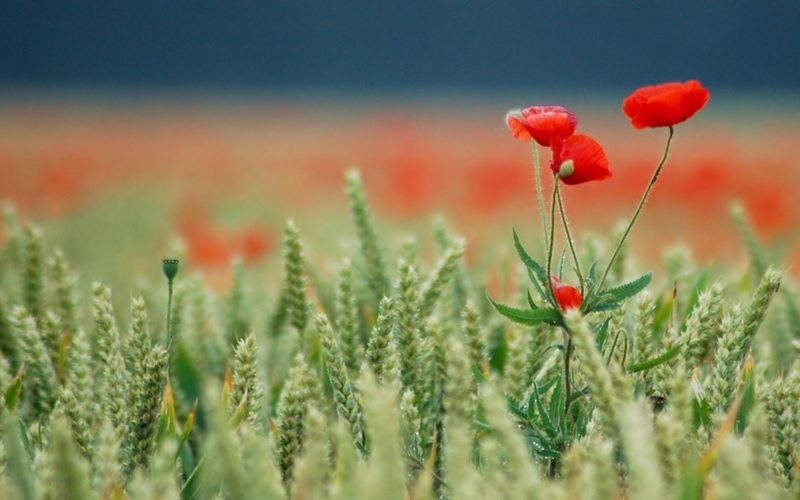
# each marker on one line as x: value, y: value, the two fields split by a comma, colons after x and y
x: 528, y: 317
x: 193, y: 482
x: 62, y: 358
x: 702, y: 410
x: 549, y: 427
x: 538, y: 285
x: 710, y: 456
x: 14, y: 390
x: 650, y: 363
x: 26, y: 441
x: 613, y: 347
x: 602, y: 332
x: 699, y: 286
x: 556, y: 407
x: 592, y: 270
x: 663, y: 312
x: 623, y: 292
x: 480, y: 377
x: 167, y: 422
x: 531, y: 303
x: 547, y: 385
x: 238, y: 415
x: 184, y: 450
x: 187, y: 377
x: 747, y: 390
x: 514, y: 408
x: 527, y: 260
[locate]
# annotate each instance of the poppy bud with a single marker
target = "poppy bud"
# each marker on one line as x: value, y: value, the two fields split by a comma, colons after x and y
x: 566, y: 169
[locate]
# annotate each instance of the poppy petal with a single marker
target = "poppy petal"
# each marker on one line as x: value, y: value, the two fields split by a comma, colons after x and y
x: 541, y: 123
x: 517, y: 126
x: 589, y: 159
x: 664, y: 105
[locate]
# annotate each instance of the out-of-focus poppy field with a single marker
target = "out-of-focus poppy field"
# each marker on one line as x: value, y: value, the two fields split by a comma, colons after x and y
x: 117, y: 182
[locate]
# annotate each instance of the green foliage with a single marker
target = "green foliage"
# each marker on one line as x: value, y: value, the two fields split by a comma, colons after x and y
x: 414, y: 390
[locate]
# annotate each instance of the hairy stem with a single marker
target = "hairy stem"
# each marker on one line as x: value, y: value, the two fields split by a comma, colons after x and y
x: 552, y: 240
x: 169, y: 312
x: 569, y: 240
x: 638, y: 209
x: 539, y: 189
x: 568, y: 348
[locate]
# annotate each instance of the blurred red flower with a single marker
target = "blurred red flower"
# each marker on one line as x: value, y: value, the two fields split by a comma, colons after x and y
x: 664, y: 105
x: 568, y: 297
x: 254, y: 242
x: 544, y: 124
x: 579, y: 159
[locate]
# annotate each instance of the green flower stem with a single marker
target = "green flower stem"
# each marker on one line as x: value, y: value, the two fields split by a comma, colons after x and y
x: 539, y: 189
x: 569, y: 240
x: 638, y: 209
x: 568, y: 348
x: 170, y: 268
x: 552, y: 239
x: 169, y: 311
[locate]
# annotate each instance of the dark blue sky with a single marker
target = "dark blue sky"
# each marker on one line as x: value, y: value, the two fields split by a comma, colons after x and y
x: 402, y: 45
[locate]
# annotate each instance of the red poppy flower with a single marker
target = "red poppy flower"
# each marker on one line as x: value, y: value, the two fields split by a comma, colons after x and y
x: 568, y: 297
x: 579, y: 159
x: 541, y: 123
x: 664, y: 105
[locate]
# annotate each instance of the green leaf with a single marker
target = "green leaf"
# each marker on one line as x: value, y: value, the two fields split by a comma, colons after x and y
x: 538, y: 286
x: 614, y: 296
x: 14, y: 390
x: 531, y: 303
x: 26, y: 441
x: 702, y: 411
x: 193, y: 482
x: 699, y: 286
x: 556, y: 407
x: 591, y: 276
x: 614, y: 346
x: 514, y: 408
x: 547, y: 385
x: 663, y: 312
x: 650, y: 363
x: 478, y: 373
x: 167, y: 422
x: 187, y: 378
x: 748, y: 391
x: 527, y: 260
x: 239, y: 413
x: 528, y: 317
x: 541, y: 449
x: 184, y: 450
x: 602, y: 332
x: 62, y: 358
x: 691, y: 481
x: 545, y: 418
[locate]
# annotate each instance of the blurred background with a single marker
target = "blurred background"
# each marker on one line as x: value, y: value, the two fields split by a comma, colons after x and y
x: 128, y: 128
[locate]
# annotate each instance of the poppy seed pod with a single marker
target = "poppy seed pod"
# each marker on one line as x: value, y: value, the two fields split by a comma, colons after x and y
x: 170, y: 267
